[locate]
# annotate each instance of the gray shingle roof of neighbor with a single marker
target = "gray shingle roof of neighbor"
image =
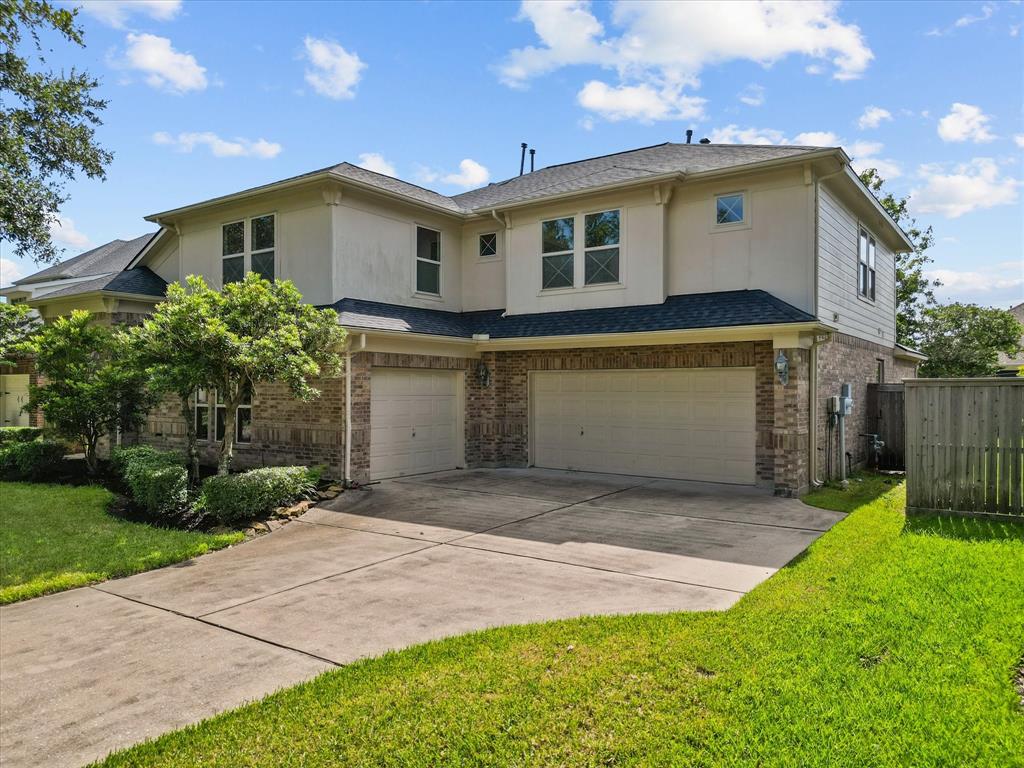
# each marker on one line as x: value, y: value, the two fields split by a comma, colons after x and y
x: 720, y: 309
x: 109, y: 257
x: 630, y: 165
x: 140, y: 281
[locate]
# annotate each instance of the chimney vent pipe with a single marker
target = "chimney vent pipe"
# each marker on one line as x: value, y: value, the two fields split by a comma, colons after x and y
x: 532, y: 153
x: 689, y: 135
x: 522, y: 158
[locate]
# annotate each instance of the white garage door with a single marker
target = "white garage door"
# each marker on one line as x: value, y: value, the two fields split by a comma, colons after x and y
x: 413, y: 422
x: 695, y: 424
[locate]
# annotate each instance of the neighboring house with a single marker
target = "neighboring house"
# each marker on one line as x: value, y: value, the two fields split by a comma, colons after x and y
x: 624, y: 313
x: 1009, y: 366
x: 96, y: 280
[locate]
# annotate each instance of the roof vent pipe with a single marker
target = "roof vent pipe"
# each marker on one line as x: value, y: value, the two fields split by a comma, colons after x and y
x: 689, y: 135
x: 532, y: 153
x: 522, y: 158
x: 705, y: 140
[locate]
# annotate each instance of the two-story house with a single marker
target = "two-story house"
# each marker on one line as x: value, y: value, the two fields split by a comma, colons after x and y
x: 680, y: 311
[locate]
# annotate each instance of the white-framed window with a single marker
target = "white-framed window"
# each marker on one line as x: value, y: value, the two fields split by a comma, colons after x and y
x: 488, y: 245
x: 428, y: 261
x: 248, y: 245
x: 866, y: 265
x: 557, y: 247
x: 730, y: 209
x: 209, y: 414
x: 601, y: 247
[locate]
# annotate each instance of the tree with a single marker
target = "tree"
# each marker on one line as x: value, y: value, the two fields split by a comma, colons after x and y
x: 257, y: 331
x: 47, y: 127
x: 914, y: 291
x: 173, y: 347
x: 965, y: 339
x: 92, y: 385
x: 17, y: 323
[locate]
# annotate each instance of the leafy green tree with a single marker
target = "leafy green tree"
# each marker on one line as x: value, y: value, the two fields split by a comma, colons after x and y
x: 47, y: 126
x: 173, y: 346
x: 914, y: 291
x: 965, y: 339
x: 92, y: 385
x: 254, y: 332
x: 16, y: 325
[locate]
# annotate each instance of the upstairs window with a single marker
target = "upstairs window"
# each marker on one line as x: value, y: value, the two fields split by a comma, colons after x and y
x: 488, y: 245
x: 601, y: 248
x: 232, y: 267
x: 236, y: 259
x: 557, y: 245
x: 428, y: 261
x: 729, y: 209
x: 866, y: 266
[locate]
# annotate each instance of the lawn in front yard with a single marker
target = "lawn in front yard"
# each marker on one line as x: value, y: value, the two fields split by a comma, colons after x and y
x: 886, y: 644
x: 55, y: 537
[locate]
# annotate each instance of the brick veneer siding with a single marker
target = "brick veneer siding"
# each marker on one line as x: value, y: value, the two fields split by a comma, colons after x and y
x: 284, y: 430
x: 855, y: 361
x: 496, y: 419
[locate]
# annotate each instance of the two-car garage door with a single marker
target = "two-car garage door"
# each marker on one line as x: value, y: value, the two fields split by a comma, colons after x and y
x: 694, y: 424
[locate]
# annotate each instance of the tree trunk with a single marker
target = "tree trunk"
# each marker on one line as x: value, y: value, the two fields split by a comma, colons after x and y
x: 191, y: 449
x: 227, y: 447
x: 91, y: 465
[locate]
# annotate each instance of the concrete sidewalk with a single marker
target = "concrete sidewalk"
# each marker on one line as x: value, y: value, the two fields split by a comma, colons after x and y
x: 96, y: 669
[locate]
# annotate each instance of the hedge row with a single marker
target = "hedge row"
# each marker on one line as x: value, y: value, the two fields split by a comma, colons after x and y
x: 10, y: 435
x: 36, y: 460
x: 158, y: 481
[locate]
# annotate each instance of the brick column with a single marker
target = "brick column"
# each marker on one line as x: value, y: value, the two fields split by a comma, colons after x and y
x: 791, y: 428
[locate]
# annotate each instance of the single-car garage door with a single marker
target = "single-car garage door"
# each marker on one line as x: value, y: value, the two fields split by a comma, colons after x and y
x: 695, y: 424
x: 413, y: 421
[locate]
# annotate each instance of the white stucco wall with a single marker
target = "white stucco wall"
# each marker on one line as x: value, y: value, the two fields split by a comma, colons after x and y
x: 773, y: 251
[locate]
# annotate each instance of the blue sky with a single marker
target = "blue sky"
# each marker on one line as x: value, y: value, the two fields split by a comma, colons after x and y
x: 208, y: 98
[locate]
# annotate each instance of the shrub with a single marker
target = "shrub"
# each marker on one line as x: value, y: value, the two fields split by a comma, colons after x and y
x: 36, y: 460
x: 230, y: 498
x: 158, y: 480
x: 10, y: 435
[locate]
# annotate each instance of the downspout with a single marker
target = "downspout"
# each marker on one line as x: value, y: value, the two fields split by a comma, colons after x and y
x: 348, y: 407
x: 813, y: 383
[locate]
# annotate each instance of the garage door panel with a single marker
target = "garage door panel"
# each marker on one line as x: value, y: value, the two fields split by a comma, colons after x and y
x: 688, y: 424
x: 413, y: 422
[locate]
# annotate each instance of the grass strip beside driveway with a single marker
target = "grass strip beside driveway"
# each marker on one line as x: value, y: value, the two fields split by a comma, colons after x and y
x: 56, y: 537
x: 883, y: 645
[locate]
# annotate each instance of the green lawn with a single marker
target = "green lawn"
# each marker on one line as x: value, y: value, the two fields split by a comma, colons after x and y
x: 55, y: 537
x: 885, y: 645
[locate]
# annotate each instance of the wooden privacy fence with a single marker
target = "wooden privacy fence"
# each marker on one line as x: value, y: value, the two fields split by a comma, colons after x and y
x: 965, y: 446
x: 886, y: 419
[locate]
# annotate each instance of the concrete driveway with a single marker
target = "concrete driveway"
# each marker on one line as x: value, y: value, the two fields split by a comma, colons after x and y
x: 95, y: 669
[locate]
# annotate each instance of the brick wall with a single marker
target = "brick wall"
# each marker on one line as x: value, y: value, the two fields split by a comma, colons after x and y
x: 853, y: 361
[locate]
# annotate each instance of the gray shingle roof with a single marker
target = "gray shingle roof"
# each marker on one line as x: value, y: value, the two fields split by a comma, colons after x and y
x: 109, y: 257
x: 721, y: 309
x: 140, y: 281
x: 391, y: 184
x: 631, y: 165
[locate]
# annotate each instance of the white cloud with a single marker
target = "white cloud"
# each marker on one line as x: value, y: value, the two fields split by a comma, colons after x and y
x: 733, y: 134
x: 10, y: 271
x: 164, y: 67
x: 334, y: 72
x: 1018, y: 139
x: 471, y: 174
x: 864, y: 155
x: 965, y: 122
x: 587, y: 123
x: 238, y: 147
x: 644, y: 102
x: 661, y: 48
x: 115, y: 13
x: 969, y: 187
x: 966, y: 20
x: 752, y: 95
x: 989, y: 284
x: 817, y: 139
x: 376, y: 162
x: 873, y: 117
x: 64, y: 232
